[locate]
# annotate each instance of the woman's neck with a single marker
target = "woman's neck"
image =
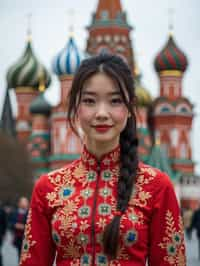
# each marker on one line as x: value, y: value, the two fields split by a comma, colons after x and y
x: 100, y: 149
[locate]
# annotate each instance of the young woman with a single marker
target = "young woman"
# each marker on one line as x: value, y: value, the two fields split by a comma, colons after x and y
x: 105, y: 208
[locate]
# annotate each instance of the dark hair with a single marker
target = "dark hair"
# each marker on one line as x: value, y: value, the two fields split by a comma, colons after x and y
x: 118, y: 71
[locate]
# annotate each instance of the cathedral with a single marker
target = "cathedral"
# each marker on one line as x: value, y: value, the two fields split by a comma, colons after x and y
x: 164, y: 123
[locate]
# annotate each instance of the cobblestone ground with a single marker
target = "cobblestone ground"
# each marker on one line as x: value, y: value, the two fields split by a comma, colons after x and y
x: 10, y: 254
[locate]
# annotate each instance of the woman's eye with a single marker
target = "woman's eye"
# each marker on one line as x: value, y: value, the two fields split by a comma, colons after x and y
x: 116, y: 101
x: 88, y: 101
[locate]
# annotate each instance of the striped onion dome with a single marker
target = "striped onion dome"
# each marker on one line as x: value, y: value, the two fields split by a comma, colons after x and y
x: 170, y: 58
x: 68, y: 59
x: 27, y: 71
x: 143, y: 96
x: 40, y: 105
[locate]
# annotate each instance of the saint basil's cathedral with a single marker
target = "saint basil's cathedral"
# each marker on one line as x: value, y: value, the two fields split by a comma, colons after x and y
x: 164, y: 123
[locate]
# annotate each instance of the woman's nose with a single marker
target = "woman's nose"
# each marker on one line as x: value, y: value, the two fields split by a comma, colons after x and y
x: 102, y: 111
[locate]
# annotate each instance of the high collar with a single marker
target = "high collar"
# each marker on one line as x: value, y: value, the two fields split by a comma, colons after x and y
x: 110, y: 159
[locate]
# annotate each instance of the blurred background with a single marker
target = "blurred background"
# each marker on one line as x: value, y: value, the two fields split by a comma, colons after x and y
x: 43, y: 44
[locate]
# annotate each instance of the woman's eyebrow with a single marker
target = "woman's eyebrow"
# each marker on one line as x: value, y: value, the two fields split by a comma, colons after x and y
x: 94, y: 93
x: 89, y: 92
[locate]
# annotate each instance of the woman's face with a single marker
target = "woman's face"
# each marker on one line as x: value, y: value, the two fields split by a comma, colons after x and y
x: 102, y: 113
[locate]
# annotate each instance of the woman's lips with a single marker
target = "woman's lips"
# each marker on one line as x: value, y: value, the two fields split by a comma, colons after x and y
x: 102, y: 128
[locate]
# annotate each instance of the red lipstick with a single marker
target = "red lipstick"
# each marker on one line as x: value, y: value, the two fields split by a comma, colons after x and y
x: 102, y: 128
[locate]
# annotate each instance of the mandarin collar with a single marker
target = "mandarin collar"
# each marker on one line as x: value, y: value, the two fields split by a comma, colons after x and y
x: 110, y: 159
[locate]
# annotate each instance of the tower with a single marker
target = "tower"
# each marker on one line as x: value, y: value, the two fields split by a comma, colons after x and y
x: 7, y: 122
x: 24, y: 77
x: 173, y: 113
x: 39, y: 140
x: 109, y: 31
x: 65, y: 145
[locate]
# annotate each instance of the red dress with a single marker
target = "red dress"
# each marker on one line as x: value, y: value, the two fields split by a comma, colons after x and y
x: 71, y: 206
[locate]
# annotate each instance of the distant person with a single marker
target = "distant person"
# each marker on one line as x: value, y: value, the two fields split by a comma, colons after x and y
x: 195, y: 224
x: 3, y: 225
x: 18, y: 222
x: 187, y: 219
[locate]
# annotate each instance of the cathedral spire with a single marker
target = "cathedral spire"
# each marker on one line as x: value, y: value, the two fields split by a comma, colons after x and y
x: 111, y: 7
x: 109, y: 31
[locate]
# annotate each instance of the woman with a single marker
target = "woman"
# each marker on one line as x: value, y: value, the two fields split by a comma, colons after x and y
x: 105, y: 208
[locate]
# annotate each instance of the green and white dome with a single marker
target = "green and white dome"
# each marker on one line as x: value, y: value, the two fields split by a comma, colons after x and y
x: 27, y: 71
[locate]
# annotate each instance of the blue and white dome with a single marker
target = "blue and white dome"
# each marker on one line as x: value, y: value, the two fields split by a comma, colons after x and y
x: 68, y: 60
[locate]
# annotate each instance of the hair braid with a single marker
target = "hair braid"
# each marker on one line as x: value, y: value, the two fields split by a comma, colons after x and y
x: 128, y: 171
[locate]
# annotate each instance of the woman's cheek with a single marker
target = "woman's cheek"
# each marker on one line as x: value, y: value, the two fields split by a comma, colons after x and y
x: 83, y: 113
x: 120, y: 113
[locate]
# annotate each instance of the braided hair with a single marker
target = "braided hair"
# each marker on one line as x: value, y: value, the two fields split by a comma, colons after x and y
x: 114, y: 67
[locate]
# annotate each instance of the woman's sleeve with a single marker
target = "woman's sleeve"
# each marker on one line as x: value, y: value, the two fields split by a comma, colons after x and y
x: 38, y: 247
x: 166, y: 231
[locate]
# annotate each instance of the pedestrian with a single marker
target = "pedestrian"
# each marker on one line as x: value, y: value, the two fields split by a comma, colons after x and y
x: 18, y: 221
x: 195, y: 224
x: 187, y: 219
x: 3, y: 226
x: 106, y: 208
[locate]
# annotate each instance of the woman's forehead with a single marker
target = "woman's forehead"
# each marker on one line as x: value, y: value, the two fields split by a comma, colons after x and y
x: 100, y: 83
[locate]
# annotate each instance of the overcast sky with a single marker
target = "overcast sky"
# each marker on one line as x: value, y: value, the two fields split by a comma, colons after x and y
x: 50, y: 30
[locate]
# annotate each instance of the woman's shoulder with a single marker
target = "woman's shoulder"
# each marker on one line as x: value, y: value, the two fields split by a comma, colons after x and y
x: 56, y: 177
x: 153, y: 176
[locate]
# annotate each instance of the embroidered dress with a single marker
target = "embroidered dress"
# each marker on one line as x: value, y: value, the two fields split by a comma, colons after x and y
x: 71, y: 206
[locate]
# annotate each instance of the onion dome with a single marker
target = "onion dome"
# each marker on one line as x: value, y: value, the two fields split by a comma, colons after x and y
x: 40, y: 105
x: 27, y: 71
x: 170, y: 58
x: 143, y: 96
x: 68, y: 60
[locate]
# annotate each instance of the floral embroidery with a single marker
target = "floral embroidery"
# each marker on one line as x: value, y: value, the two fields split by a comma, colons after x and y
x: 72, y: 250
x: 140, y: 196
x: 28, y: 241
x: 130, y: 237
x: 173, y: 242
x: 105, y: 192
x: 70, y: 199
x: 86, y: 260
x: 101, y: 260
x: 63, y: 187
x: 84, y: 211
x: 104, y: 209
x: 56, y: 237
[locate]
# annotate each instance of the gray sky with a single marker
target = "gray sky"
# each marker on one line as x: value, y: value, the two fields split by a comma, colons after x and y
x: 50, y: 27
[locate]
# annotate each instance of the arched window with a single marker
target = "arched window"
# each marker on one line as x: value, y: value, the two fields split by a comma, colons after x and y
x: 72, y: 144
x: 183, y: 108
x: 104, y: 15
x: 165, y: 109
x: 174, y: 136
x: 183, y: 151
x: 103, y: 50
x: 165, y: 148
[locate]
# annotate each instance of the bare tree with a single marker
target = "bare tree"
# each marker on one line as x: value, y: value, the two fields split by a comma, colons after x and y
x: 16, y: 170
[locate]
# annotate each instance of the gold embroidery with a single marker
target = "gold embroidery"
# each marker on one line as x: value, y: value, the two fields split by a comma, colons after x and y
x: 72, y: 250
x: 80, y: 172
x: 140, y: 196
x: 173, y: 242
x: 102, y: 223
x: 28, y: 241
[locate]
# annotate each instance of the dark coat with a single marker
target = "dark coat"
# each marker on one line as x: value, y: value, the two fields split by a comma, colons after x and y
x: 196, y: 222
x: 3, y: 224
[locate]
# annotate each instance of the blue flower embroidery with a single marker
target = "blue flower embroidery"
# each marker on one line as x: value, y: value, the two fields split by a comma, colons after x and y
x: 65, y: 192
x: 101, y: 260
x: 131, y: 237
